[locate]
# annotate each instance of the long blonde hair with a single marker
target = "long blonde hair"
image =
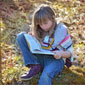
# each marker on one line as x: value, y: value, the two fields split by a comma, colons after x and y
x: 41, y: 15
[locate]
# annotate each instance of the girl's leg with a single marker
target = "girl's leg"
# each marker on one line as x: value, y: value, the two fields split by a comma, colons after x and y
x: 29, y: 58
x: 52, y: 67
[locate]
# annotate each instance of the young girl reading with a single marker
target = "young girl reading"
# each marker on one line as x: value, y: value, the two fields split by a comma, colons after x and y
x: 53, y: 36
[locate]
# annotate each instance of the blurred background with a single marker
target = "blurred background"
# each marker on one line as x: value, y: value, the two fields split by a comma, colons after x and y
x: 16, y: 16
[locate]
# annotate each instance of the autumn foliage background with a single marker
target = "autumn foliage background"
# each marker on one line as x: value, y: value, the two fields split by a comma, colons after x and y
x: 16, y: 16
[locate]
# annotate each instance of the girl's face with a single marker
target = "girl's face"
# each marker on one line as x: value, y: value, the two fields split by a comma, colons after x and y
x: 47, y: 25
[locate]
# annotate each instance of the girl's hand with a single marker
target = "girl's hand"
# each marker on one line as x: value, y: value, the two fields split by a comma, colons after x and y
x: 57, y: 54
x: 30, y: 33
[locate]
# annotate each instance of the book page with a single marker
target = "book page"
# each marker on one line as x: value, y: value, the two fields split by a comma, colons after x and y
x: 33, y: 43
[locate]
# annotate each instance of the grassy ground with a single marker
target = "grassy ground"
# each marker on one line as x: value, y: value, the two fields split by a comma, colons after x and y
x: 72, y: 76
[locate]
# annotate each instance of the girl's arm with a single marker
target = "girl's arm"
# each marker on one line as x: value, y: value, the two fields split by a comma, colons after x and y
x: 63, y: 54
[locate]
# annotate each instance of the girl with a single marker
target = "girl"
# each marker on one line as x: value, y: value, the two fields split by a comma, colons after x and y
x: 52, y: 36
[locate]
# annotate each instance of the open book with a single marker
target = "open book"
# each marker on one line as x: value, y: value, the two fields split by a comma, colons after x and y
x: 35, y: 46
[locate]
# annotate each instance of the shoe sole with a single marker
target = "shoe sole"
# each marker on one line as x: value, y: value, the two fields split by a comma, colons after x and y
x: 23, y: 79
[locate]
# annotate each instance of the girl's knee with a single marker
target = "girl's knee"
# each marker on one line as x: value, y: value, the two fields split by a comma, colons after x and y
x: 20, y: 36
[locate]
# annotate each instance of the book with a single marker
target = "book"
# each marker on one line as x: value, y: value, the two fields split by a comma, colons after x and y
x: 35, y: 46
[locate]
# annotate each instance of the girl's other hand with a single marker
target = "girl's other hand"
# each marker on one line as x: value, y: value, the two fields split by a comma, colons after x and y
x: 57, y: 54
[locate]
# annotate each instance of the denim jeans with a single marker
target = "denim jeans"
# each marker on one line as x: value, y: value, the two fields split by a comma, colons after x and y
x: 51, y: 66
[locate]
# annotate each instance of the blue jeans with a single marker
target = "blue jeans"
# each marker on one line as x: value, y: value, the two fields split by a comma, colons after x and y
x: 51, y: 66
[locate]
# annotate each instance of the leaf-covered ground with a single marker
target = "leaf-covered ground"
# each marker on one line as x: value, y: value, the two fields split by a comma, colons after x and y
x: 16, y: 16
